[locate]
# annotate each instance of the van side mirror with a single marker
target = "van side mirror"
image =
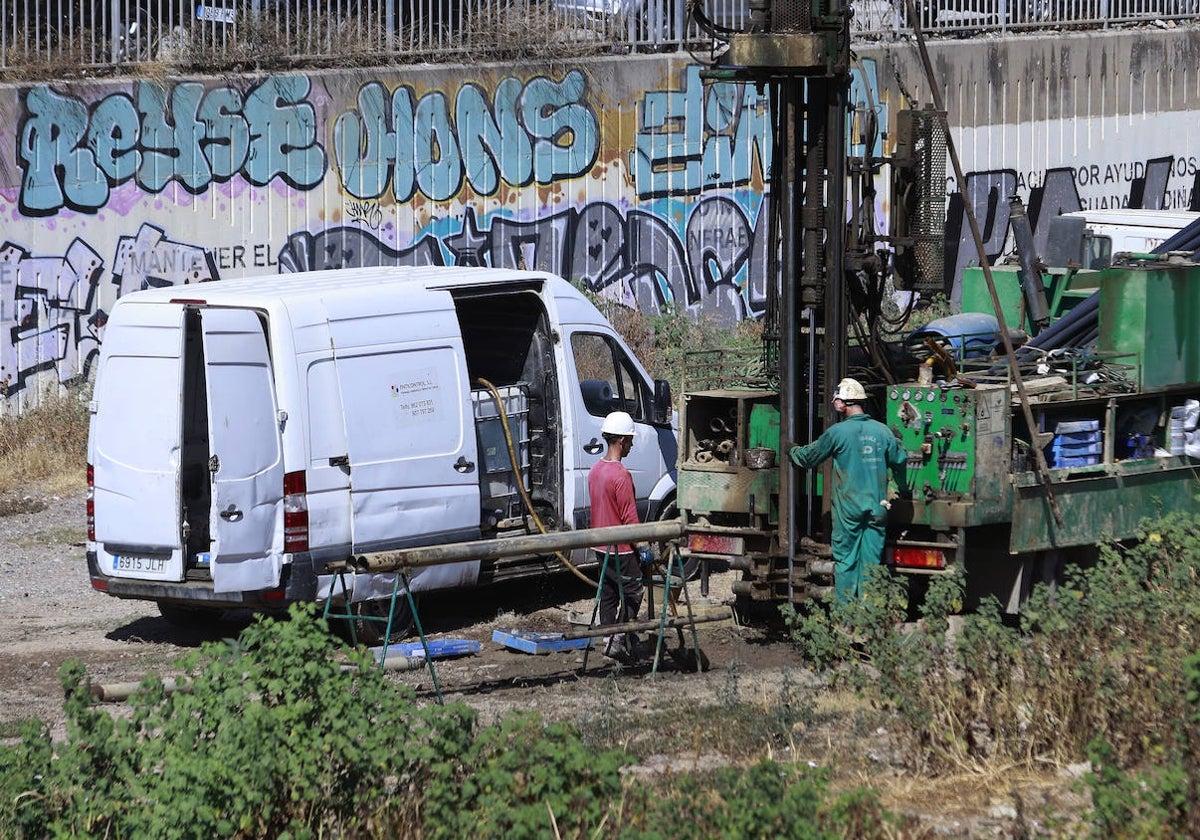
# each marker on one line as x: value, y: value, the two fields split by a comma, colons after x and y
x: 660, y: 410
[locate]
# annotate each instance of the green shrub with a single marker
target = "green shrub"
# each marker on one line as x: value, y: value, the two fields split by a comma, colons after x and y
x: 1100, y: 657
x: 284, y: 734
x: 274, y: 739
x: 1157, y: 801
x: 521, y: 777
x: 766, y: 799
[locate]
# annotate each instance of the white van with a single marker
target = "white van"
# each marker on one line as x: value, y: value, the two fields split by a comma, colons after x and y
x: 245, y: 433
x: 1130, y: 230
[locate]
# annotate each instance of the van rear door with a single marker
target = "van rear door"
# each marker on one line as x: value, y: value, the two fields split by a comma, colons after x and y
x: 136, y: 438
x: 246, y: 519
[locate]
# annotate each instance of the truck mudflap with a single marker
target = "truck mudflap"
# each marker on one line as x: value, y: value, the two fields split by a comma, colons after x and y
x: 298, y: 582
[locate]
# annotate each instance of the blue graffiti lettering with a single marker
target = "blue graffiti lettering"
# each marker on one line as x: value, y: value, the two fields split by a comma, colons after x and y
x: 494, y: 148
x: 52, y: 147
x: 283, y: 134
x: 540, y: 131
x: 72, y: 157
x: 690, y: 140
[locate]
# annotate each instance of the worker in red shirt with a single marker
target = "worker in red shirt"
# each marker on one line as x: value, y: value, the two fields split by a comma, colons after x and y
x: 610, y: 488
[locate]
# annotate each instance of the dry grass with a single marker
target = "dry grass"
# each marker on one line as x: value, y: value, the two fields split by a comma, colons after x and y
x: 1003, y: 801
x: 46, y: 445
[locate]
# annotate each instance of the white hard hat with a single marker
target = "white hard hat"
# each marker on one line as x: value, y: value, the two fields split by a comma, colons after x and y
x: 617, y: 423
x: 850, y: 390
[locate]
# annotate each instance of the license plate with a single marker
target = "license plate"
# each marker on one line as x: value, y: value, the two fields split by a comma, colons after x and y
x: 716, y: 544
x: 149, y: 567
x: 216, y: 14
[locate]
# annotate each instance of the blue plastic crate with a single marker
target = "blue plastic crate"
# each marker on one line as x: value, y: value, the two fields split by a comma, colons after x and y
x: 1067, y: 438
x: 1082, y: 461
x: 1075, y: 450
x: 1070, y: 427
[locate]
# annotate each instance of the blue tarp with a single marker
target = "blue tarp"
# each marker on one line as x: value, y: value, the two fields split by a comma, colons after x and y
x: 966, y: 335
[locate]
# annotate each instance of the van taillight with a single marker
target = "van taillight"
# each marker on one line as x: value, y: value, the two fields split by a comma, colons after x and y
x: 91, y: 502
x: 918, y: 558
x: 295, y: 512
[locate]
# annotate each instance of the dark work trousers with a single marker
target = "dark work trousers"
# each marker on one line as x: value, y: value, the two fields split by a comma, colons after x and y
x: 623, y: 575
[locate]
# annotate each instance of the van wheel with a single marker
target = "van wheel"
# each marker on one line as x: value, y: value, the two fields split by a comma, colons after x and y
x: 691, y: 565
x: 188, y: 618
x: 371, y: 624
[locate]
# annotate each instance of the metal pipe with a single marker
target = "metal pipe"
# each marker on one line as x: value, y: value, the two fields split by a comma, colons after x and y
x: 1031, y: 276
x: 535, y: 544
x: 647, y: 624
x: 119, y: 692
x: 786, y: 200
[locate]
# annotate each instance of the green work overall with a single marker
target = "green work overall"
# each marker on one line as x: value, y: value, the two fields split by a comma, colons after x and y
x: 863, y: 451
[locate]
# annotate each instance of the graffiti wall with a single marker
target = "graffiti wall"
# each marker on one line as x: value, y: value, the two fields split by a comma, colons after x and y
x: 630, y: 176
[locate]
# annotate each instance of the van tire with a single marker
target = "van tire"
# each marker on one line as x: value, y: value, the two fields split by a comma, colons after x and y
x: 371, y: 633
x: 666, y: 513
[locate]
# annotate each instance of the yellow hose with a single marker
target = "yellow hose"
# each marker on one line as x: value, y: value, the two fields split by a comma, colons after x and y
x: 512, y: 457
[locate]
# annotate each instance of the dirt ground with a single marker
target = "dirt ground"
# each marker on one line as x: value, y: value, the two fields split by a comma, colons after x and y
x: 49, y: 613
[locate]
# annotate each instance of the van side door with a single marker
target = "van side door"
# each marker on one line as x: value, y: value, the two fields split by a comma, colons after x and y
x: 406, y: 405
x: 246, y: 462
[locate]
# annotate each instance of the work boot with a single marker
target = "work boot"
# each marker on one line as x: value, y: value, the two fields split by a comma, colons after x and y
x: 616, y: 649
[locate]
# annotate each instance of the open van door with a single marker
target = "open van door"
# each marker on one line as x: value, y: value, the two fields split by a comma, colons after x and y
x: 246, y: 464
x: 608, y: 381
x: 136, y: 430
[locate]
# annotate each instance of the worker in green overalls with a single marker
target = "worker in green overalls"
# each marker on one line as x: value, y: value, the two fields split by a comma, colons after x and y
x: 863, y: 451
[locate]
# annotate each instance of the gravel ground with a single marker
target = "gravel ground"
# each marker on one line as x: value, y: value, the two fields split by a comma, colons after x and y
x: 50, y: 614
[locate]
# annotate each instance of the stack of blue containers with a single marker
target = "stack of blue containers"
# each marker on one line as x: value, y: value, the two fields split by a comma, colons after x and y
x: 1076, y: 443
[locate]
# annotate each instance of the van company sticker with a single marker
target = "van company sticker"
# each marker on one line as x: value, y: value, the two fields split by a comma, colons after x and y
x: 415, y: 393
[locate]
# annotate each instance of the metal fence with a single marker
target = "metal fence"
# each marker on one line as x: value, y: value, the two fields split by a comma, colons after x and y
x: 66, y: 37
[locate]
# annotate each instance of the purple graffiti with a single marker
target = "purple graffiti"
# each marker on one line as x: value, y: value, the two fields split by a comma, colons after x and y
x: 46, y: 314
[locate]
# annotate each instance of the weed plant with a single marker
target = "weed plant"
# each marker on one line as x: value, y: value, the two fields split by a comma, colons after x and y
x: 46, y: 444
x: 283, y: 733
x: 1102, y: 667
x: 663, y: 341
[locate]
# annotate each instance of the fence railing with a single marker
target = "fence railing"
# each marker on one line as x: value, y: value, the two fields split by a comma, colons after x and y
x: 67, y: 37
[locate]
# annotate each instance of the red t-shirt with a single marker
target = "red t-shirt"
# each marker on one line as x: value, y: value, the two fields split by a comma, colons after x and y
x: 610, y: 487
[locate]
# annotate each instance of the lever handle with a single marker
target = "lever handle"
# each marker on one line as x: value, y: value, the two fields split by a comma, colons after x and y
x: 231, y: 514
x: 462, y: 465
x: 593, y: 447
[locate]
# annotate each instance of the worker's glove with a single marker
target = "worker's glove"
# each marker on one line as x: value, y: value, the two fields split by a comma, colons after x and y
x: 645, y: 555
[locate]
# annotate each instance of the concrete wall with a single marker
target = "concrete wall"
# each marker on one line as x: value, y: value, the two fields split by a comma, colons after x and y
x: 627, y: 175
x: 1070, y: 121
